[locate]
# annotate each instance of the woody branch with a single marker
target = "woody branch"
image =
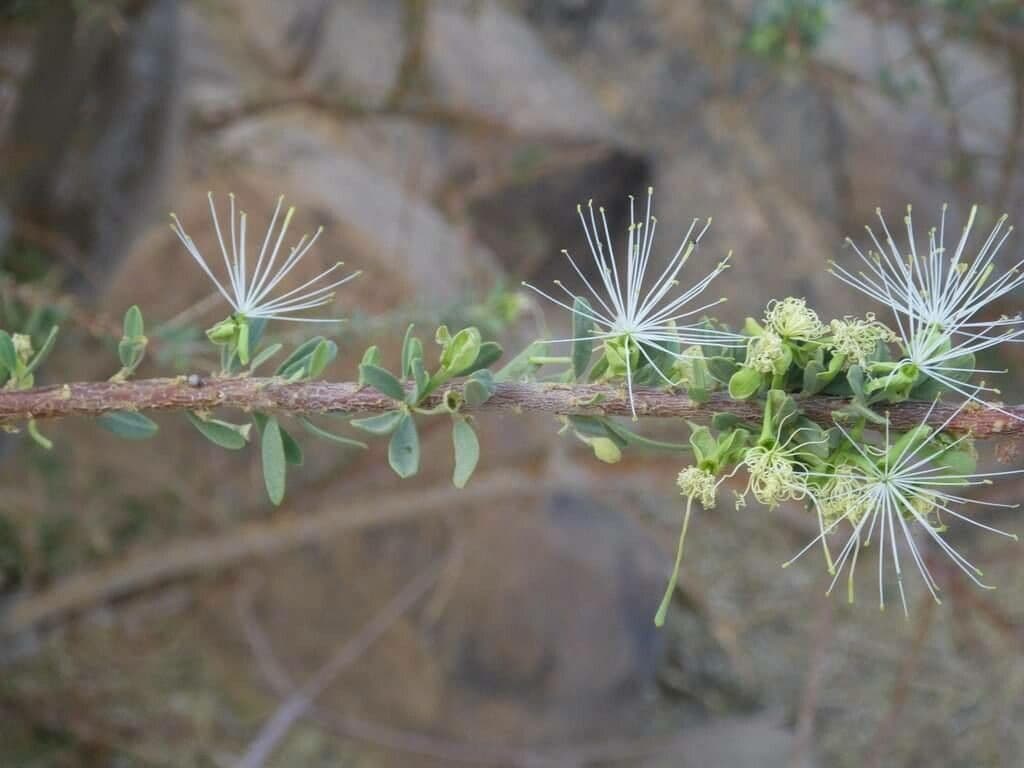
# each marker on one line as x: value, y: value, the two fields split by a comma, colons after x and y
x: 312, y: 397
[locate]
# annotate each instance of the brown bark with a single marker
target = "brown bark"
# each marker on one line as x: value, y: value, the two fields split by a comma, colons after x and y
x: 312, y: 397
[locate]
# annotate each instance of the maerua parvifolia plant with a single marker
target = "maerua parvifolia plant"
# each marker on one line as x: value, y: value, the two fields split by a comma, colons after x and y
x: 805, y: 409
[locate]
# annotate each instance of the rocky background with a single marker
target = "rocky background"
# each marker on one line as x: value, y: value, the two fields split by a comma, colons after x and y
x: 155, y: 610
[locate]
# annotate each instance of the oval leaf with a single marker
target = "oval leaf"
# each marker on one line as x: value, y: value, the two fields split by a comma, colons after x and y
x: 272, y: 450
x: 383, y: 381
x: 462, y: 351
x: 467, y: 452
x: 133, y: 327
x: 313, y: 429
x: 404, y: 448
x: 323, y: 354
x: 230, y: 436
x: 292, y: 450
x: 129, y: 425
x: 384, y: 424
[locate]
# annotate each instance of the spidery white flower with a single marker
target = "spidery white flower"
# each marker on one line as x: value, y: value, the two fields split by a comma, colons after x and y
x: 936, y: 298
x: 630, y: 308
x: 901, y: 491
x: 251, y: 295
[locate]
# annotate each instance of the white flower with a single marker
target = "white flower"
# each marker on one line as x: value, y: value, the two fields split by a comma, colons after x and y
x: 250, y: 295
x: 900, y: 490
x: 631, y: 309
x: 936, y: 298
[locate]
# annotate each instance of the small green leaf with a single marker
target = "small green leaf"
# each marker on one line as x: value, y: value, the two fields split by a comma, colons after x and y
x: 583, y: 346
x: 421, y: 380
x: 490, y: 353
x: 383, y: 424
x: 478, y: 388
x: 133, y: 327
x: 38, y: 437
x: 273, y: 453
x: 243, y: 341
x: 130, y: 352
x: 371, y: 357
x: 467, y: 451
x: 222, y: 433
x: 855, y: 378
x: 744, y: 383
x: 292, y: 450
x: 721, y: 368
x: 411, y: 348
x: 128, y: 425
x: 383, y: 381
x: 606, y: 450
x: 404, y: 448
x: 322, y: 356
x: 298, y: 356
x: 264, y: 355
x: 323, y: 434
x: 44, y: 351
x: 8, y: 356
x: 703, y: 443
x: 462, y: 351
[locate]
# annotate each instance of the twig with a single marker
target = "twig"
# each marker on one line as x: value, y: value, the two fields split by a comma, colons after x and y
x: 260, y: 539
x: 299, y: 703
x: 820, y: 639
x: 901, y: 688
x: 312, y: 397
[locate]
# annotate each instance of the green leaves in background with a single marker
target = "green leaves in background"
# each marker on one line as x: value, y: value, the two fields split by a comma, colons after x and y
x: 582, y: 347
x: 308, y: 360
x: 8, y: 357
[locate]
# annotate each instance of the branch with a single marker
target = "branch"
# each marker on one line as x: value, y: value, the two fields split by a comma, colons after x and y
x: 313, y: 397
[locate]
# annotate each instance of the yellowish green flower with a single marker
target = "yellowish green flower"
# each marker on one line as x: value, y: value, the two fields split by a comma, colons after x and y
x: 792, y: 319
x: 696, y: 483
x: 857, y: 339
x: 764, y: 352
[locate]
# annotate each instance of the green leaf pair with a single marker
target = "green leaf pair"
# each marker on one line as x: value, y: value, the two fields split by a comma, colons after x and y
x: 132, y: 348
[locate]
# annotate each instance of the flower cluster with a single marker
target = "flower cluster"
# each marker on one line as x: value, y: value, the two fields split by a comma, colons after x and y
x: 882, y: 485
x: 649, y: 328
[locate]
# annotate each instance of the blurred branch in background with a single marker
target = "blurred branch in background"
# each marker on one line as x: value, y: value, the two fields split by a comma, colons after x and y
x: 91, y: 134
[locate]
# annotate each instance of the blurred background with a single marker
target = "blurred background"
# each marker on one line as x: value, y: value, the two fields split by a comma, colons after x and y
x: 155, y: 610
